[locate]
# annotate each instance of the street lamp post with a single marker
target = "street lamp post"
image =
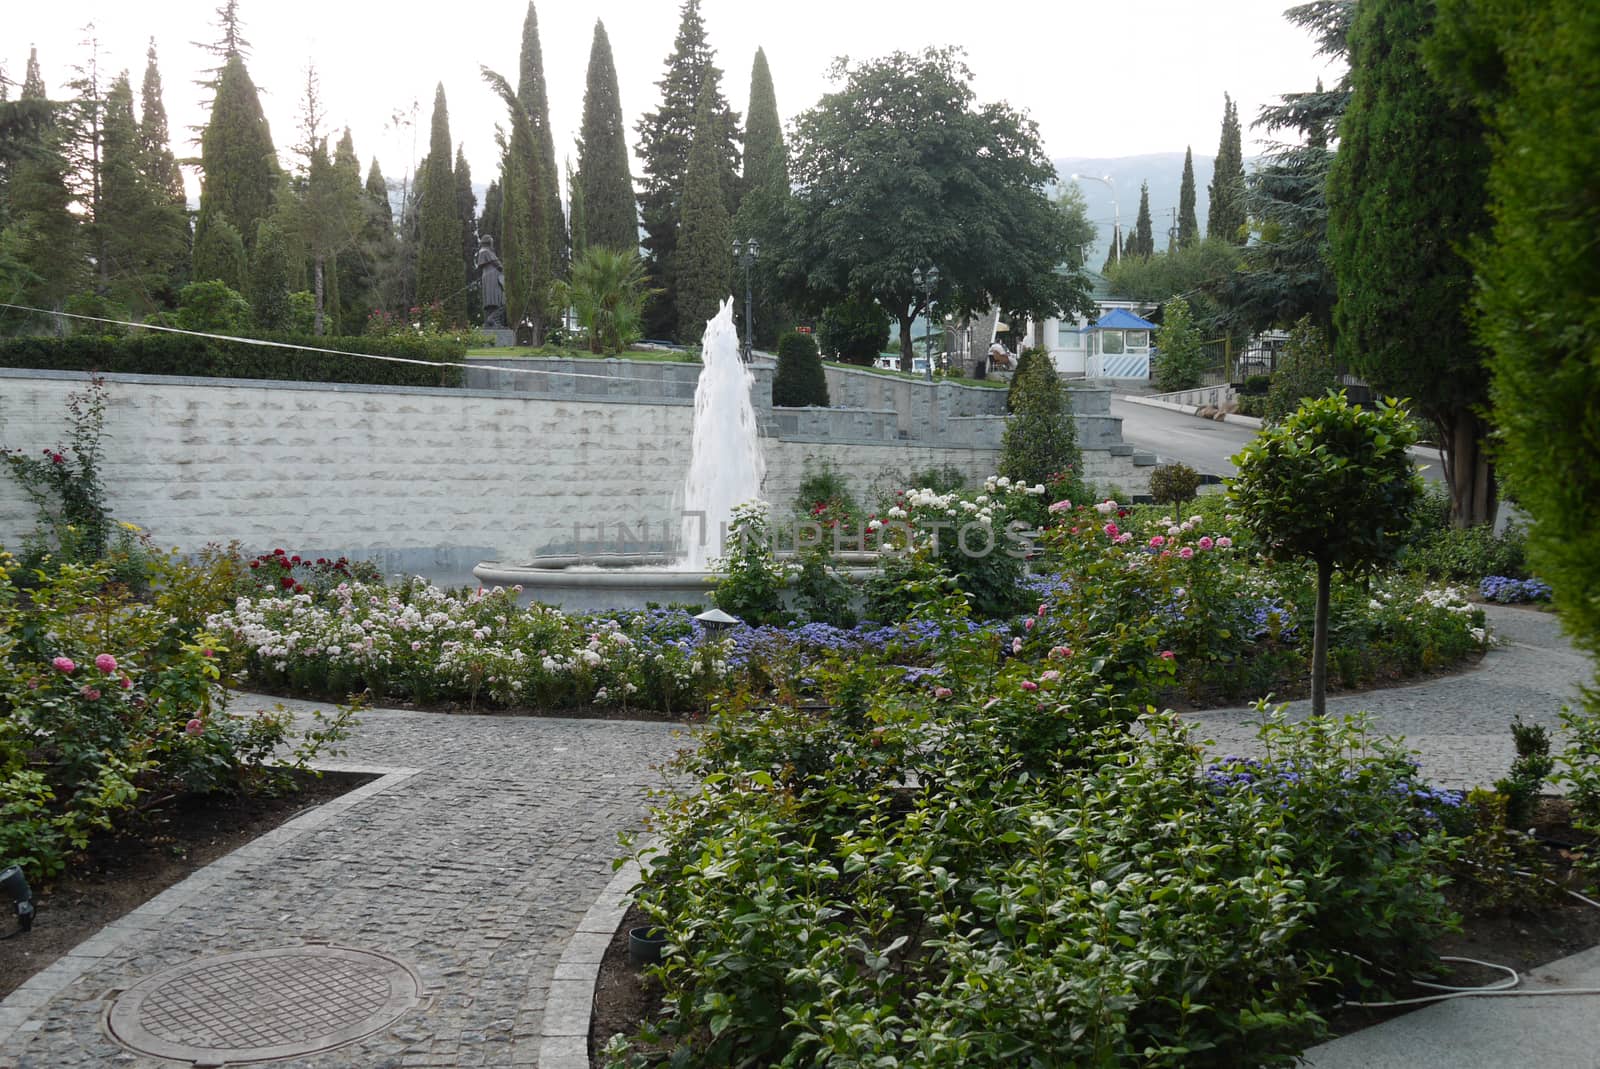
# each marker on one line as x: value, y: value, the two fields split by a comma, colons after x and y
x: 746, y: 251
x: 1116, y: 212
x: 927, y: 281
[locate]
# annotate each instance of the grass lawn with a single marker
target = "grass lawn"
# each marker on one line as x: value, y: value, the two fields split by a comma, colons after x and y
x: 987, y: 384
x: 511, y: 352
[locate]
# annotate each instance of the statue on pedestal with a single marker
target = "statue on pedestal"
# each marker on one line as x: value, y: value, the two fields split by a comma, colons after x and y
x: 491, y: 276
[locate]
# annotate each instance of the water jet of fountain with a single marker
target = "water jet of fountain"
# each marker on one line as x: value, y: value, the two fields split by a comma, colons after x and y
x: 726, y: 466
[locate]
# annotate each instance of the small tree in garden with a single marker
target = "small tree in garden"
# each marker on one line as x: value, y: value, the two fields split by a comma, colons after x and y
x: 799, y: 380
x: 1180, y: 361
x: 1041, y: 439
x: 1306, y: 369
x: 855, y: 330
x: 1332, y: 484
x: 607, y: 293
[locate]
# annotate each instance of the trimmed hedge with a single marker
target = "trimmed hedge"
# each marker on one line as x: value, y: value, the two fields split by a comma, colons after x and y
x: 155, y: 353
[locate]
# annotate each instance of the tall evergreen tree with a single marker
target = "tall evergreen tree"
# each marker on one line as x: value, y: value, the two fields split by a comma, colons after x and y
x: 219, y: 252
x: 238, y: 162
x: 1225, y: 217
x: 439, y: 275
x: 705, y: 259
x: 378, y: 261
x: 44, y: 236
x: 766, y: 198
x: 577, y: 215
x: 160, y: 166
x: 1188, y: 225
x: 535, y: 100
x: 490, y: 220
x: 1144, y: 241
x: 1406, y: 198
x: 378, y: 195
x: 611, y: 214
x: 267, y: 289
x: 524, y: 244
x: 143, y: 234
x: 666, y: 136
x: 83, y: 123
x: 467, y: 213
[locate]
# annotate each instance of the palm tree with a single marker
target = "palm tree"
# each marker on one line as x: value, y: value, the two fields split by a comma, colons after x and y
x: 607, y: 292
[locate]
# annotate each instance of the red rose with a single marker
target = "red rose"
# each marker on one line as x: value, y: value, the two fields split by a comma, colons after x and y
x: 286, y: 582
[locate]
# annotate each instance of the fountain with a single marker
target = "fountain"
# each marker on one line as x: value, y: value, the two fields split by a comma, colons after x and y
x: 725, y: 470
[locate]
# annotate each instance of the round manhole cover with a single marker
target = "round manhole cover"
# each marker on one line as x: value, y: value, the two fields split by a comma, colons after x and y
x: 263, y: 1004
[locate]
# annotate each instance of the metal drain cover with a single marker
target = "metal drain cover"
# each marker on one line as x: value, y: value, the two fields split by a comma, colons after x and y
x: 263, y: 1004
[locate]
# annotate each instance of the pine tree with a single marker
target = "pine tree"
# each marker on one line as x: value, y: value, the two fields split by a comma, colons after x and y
x: 268, y: 287
x: 378, y: 196
x: 143, y: 234
x: 611, y: 214
x: 1144, y: 242
x: 766, y: 197
x: 83, y: 126
x: 439, y: 274
x: 1114, y: 253
x: 160, y: 167
x: 532, y: 93
x: 351, y: 295
x: 1225, y: 217
x: 377, y: 262
x: 665, y: 140
x: 219, y: 252
x: 44, y: 236
x: 705, y: 259
x: 467, y: 213
x: 1188, y: 225
x: 237, y: 159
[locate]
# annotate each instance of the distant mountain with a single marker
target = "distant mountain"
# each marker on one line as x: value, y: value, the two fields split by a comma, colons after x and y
x: 1164, y: 172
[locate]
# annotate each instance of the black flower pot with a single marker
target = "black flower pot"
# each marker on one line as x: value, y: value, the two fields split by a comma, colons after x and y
x: 644, y: 945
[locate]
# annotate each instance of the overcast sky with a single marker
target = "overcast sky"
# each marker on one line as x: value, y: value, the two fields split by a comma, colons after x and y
x: 1101, y: 79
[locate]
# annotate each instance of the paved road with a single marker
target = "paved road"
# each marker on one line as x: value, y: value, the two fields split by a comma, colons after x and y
x: 1206, y: 445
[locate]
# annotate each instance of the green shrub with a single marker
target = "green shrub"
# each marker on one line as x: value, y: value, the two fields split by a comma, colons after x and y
x: 1180, y: 362
x: 1251, y: 405
x: 1255, y: 385
x: 161, y: 353
x: 855, y: 331
x: 799, y: 380
x: 1173, y: 484
x: 751, y: 586
x: 213, y: 307
x: 1463, y: 554
x: 1025, y: 361
x: 1305, y: 370
x: 1041, y: 437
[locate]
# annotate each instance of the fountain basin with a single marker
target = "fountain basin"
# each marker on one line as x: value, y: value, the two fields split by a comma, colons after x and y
x: 621, y: 583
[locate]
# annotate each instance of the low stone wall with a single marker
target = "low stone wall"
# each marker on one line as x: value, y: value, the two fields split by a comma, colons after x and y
x: 1200, y: 396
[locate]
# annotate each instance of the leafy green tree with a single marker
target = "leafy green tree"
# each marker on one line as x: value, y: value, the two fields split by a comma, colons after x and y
x: 219, y: 252
x: 214, y: 307
x: 1080, y: 232
x: 1181, y: 360
x: 1041, y: 437
x: 1225, y: 217
x: 439, y: 270
x: 900, y: 170
x: 237, y: 160
x: 607, y: 293
x: 1405, y: 196
x: 1529, y: 66
x: 1188, y: 225
x: 1306, y: 369
x: 546, y: 188
x: 1144, y: 242
x: 268, y: 289
x: 1200, y: 272
x: 855, y: 330
x: 666, y: 137
x: 705, y: 240
x: 611, y: 214
x: 766, y: 198
x: 331, y: 216
x: 799, y: 380
x: 1335, y: 485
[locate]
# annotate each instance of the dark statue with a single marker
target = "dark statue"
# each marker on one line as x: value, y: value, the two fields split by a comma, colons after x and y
x: 491, y: 276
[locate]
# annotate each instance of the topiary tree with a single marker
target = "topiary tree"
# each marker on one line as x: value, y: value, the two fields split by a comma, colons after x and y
x: 1041, y: 439
x: 1025, y: 360
x: 799, y: 380
x: 1306, y: 369
x: 1332, y: 484
x: 855, y: 330
x: 1180, y: 357
x: 214, y: 307
x: 1173, y: 484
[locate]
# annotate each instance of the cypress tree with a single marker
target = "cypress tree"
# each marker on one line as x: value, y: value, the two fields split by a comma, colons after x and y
x: 439, y: 275
x: 532, y: 93
x: 467, y: 213
x: 378, y: 196
x: 45, y: 237
x: 611, y: 215
x: 524, y: 244
x: 143, y: 235
x: 705, y: 259
x: 577, y: 216
x: 1225, y: 217
x: 377, y: 260
x: 160, y: 167
x: 489, y: 221
x: 799, y: 380
x: 219, y: 252
x: 1144, y: 242
x: 665, y: 140
x: 1406, y: 198
x: 350, y: 294
x: 268, y: 287
x: 1188, y: 225
x: 766, y: 197
x: 239, y: 164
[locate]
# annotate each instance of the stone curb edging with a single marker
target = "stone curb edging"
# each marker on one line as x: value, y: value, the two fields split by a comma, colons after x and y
x: 1190, y: 410
x: 34, y: 994
x: 569, y: 1005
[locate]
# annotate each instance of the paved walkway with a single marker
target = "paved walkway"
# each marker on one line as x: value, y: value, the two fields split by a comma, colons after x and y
x: 1460, y: 725
x: 474, y: 860
x: 474, y: 870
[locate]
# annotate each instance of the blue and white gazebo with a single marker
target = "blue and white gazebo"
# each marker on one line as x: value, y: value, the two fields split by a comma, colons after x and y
x: 1119, y: 346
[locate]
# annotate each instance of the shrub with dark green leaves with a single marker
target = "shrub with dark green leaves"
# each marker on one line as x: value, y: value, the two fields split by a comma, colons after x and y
x: 213, y: 307
x: 855, y: 331
x: 1041, y: 437
x: 1306, y: 369
x: 799, y: 380
x: 1173, y: 484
